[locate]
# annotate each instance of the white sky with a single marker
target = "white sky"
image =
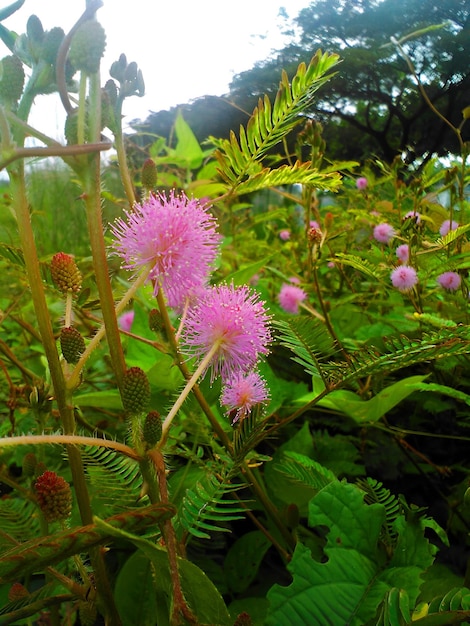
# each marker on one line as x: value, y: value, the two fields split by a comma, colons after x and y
x: 185, y: 48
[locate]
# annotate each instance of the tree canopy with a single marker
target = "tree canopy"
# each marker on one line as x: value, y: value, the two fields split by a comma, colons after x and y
x: 373, y: 105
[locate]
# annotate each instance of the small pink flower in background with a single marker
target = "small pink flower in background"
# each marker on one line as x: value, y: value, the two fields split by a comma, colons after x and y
x: 294, y: 280
x: 413, y: 215
x: 384, y: 232
x: 242, y: 392
x: 290, y: 298
x: 314, y: 224
x: 125, y: 321
x: 447, y: 226
x: 449, y: 280
x: 284, y: 234
x: 403, y: 252
x: 362, y: 182
x: 233, y: 317
x: 404, y: 277
x: 173, y: 235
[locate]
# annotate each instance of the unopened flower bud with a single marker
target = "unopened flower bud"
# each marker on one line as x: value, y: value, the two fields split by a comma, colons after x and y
x: 54, y: 496
x: 243, y: 619
x: 65, y: 273
x: 155, y: 321
x: 87, y: 47
x: 72, y: 344
x: 87, y: 612
x: 152, y: 431
x: 17, y: 592
x: 149, y: 174
x: 12, y: 79
x: 135, y: 391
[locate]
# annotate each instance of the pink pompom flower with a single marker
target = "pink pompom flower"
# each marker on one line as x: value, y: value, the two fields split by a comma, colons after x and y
x: 403, y: 253
x: 362, y: 182
x: 447, y: 226
x: 290, y: 297
x: 449, y: 280
x: 125, y: 321
x: 234, y: 322
x: 175, y: 237
x: 284, y: 234
x: 242, y: 392
x: 404, y: 277
x: 384, y: 232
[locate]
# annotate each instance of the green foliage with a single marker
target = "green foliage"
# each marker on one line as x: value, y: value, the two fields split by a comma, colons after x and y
x: 240, y: 161
x: 349, y: 586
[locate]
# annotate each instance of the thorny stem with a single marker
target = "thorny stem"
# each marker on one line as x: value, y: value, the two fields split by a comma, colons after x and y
x: 180, y: 607
x: 69, y: 440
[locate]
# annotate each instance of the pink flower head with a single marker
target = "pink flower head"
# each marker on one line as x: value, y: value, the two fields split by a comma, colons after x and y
x: 284, y: 234
x: 449, y: 280
x: 125, y: 321
x: 413, y: 215
x: 314, y: 224
x: 383, y: 232
x: 447, y: 226
x: 173, y: 235
x: 242, y: 392
x: 290, y: 297
x: 403, y: 252
x: 236, y: 320
x: 362, y: 182
x: 404, y: 277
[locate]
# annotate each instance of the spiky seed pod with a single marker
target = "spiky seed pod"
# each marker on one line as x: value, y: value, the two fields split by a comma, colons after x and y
x: 155, y: 321
x: 72, y: 344
x: 29, y: 464
x: 17, y: 592
x: 149, y: 174
x: 12, y: 79
x: 135, y: 391
x: 152, y: 431
x: 54, y: 496
x: 87, y: 612
x: 65, y: 273
x: 87, y: 47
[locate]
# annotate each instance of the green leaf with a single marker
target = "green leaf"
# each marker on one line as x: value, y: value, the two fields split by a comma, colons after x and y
x: 244, y: 558
x: 187, y: 148
x: 245, y: 274
x: 372, y: 410
x: 200, y: 593
x: 240, y: 160
x: 350, y: 586
x: 135, y: 592
x: 108, y: 399
x: 444, y: 390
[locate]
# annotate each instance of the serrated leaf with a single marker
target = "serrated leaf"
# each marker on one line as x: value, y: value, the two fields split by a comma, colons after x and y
x: 349, y: 587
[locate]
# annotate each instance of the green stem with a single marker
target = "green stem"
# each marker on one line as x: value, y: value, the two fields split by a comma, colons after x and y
x: 74, y: 378
x: 121, y: 156
x: 184, y: 394
x: 70, y: 440
x: 92, y: 189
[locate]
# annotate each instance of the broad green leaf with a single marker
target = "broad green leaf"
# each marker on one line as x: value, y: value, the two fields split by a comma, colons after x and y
x: 201, y: 594
x: 245, y: 274
x: 187, y: 146
x: 244, y: 558
x: 372, y: 410
x: 108, y: 399
x: 135, y: 593
x: 350, y: 585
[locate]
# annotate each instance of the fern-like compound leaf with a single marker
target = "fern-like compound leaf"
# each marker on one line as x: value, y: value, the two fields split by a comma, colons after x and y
x: 205, y: 509
x: 240, y: 159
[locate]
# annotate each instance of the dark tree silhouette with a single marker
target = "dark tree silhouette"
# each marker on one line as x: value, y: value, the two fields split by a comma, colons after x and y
x: 373, y: 105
